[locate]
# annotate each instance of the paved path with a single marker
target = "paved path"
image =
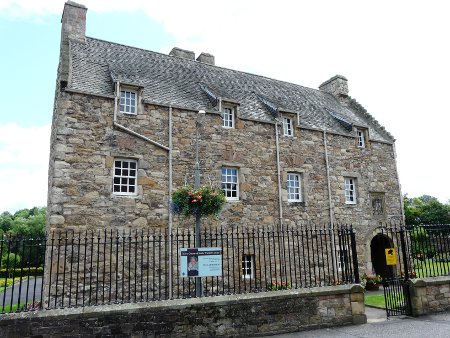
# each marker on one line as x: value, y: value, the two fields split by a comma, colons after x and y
x: 8, y: 293
x: 435, y: 326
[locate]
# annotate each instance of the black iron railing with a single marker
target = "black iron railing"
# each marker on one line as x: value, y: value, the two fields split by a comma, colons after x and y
x: 421, y: 250
x: 73, y: 269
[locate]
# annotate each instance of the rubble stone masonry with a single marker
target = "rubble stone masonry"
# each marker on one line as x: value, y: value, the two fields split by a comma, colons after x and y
x: 85, y: 143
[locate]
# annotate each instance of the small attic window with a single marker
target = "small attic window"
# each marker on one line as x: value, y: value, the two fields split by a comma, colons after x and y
x: 128, y: 99
x: 288, y: 127
x: 228, y: 117
x: 361, y: 135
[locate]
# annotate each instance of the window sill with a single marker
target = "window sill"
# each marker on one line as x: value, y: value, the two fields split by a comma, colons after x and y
x: 126, y: 196
x: 299, y: 203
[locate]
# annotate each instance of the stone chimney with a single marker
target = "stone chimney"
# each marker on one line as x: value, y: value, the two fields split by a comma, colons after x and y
x: 206, y: 58
x: 73, y: 26
x: 337, y: 86
x: 182, y: 53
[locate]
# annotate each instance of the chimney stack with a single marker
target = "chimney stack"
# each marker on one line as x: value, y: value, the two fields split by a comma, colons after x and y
x: 206, y: 58
x: 182, y: 53
x: 337, y: 86
x: 73, y: 26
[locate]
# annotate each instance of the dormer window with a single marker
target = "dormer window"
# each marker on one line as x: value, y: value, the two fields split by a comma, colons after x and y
x: 360, y: 134
x: 287, y: 127
x: 128, y: 99
x: 228, y: 117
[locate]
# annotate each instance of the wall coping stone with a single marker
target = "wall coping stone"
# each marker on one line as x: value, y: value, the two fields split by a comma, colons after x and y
x: 420, y: 282
x: 218, y: 301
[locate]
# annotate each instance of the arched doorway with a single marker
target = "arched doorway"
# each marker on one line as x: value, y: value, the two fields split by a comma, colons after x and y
x: 379, y: 243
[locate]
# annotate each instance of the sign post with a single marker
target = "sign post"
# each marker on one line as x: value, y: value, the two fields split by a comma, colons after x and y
x: 200, y: 262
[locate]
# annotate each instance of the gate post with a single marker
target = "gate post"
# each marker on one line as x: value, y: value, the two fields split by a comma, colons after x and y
x: 354, y: 256
x: 406, y: 284
x: 404, y: 256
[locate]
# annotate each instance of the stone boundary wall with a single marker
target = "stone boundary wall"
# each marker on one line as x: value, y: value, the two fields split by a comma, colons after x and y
x: 233, y: 315
x: 430, y: 295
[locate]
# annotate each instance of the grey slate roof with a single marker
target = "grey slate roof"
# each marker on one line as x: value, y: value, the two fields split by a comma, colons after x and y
x: 97, y: 64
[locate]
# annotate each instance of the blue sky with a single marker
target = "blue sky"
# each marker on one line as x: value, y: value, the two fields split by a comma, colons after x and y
x: 393, y: 53
x: 30, y: 58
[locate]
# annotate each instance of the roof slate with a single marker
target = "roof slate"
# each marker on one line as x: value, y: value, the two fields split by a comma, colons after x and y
x: 97, y: 64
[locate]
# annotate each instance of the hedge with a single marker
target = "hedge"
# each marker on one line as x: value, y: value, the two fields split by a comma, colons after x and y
x: 21, y: 272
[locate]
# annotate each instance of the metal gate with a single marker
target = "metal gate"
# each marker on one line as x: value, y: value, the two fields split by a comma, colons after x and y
x: 396, y: 296
x: 396, y: 279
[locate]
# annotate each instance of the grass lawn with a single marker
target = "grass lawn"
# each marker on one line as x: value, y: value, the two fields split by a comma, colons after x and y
x: 374, y: 300
x: 431, y: 268
x: 12, y: 308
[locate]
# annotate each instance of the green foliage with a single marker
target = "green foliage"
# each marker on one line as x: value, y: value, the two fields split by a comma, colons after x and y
x: 419, y: 234
x: 25, y: 223
x: 21, y: 272
x: 426, y: 210
x: 10, y: 261
x: 8, y: 282
x: 205, y: 201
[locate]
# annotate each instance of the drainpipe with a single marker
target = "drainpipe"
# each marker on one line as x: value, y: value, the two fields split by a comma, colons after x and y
x: 116, y: 101
x: 330, y: 202
x: 170, y: 200
x: 328, y: 179
x: 280, y: 205
x: 168, y: 149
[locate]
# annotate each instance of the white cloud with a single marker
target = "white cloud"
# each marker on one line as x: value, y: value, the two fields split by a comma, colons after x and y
x: 23, y: 166
x: 393, y: 53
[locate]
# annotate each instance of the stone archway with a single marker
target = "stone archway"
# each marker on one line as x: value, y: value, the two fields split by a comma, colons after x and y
x: 378, y: 244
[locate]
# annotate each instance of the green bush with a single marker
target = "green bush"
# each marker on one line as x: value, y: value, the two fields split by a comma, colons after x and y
x: 25, y: 272
x: 8, y: 282
x: 10, y: 260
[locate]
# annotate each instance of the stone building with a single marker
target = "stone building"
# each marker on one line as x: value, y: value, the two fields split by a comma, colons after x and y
x: 123, y: 137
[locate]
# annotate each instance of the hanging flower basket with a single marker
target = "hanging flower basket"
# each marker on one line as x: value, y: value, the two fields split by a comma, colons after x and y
x: 205, y: 201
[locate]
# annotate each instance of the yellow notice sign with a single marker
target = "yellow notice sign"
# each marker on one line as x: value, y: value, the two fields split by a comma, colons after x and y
x: 391, y: 256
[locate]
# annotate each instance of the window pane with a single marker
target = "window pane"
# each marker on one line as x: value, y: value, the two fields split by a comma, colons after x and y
x: 124, y: 180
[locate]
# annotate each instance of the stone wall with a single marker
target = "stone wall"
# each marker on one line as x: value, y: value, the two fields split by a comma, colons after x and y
x: 430, y: 295
x: 85, y: 143
x: 243, y: 315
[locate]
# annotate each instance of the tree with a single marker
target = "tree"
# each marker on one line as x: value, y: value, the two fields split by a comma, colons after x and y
x: 26, y: 225
x: 5, y: 221
x: 426, y: 210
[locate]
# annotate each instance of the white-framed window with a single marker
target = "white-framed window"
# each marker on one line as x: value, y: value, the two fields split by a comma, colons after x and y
x: 287, y: 127
x: 350, y: 190
x: 228, y: 117
x: 361, y: 138
x: 342, y: 258
x: 248, y: 266
x: 125, y: 177
x: 128, y: 101
x: 230, y: 183
x: 294, y: 189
